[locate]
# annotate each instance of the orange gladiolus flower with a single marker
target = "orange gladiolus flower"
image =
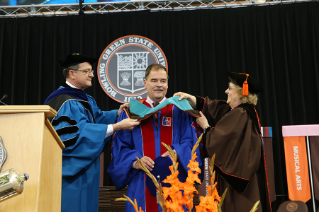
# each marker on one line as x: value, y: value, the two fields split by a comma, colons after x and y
x: 181, y: 194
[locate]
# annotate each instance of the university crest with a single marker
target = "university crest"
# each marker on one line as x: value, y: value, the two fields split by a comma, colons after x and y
x: 122, y: 66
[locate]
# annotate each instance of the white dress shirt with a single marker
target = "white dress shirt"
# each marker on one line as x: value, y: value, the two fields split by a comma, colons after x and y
x: 151, y: 102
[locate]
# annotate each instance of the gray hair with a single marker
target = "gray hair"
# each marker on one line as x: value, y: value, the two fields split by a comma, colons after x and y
x: 66, y: 70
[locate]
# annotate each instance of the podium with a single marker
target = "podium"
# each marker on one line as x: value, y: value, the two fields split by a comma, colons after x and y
x: 33, y: 147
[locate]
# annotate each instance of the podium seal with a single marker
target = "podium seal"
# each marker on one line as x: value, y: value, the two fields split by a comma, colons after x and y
x: 3, y: 153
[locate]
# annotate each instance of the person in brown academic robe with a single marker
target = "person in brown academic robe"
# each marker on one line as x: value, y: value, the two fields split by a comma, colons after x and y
x: 232, y: 132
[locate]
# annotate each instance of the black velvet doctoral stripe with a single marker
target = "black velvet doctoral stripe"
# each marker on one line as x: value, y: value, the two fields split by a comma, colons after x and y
x: 74, y: 92
x: 88, y: 107
x: 70, y: 142
x: 58, y: 101
x: 85, y: 104
x: 61, y: 119
x: 67, y: 130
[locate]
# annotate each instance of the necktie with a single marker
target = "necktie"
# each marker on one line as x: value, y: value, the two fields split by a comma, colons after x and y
x: 156, y: 115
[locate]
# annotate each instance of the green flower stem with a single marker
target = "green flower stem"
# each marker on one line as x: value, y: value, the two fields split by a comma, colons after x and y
x: 255, y: 207
x: 211, y: 168
x: 147, y: 172
x: 173, y: 155
x: 197, y: 143
x: 128, y: 199
x: 222, y: 201
x: 159, y: 189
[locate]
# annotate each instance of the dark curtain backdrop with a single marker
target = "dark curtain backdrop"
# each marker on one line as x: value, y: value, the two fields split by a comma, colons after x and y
x: 278, y: 45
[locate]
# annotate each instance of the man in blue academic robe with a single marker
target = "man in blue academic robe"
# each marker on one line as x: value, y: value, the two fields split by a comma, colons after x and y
x: 84, y: 130
x: 169, y: 125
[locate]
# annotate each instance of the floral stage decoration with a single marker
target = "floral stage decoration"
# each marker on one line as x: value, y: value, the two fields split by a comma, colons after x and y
x: 172, y: 199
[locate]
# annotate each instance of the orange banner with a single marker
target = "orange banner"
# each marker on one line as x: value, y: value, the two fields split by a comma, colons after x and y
x: 297, y: 168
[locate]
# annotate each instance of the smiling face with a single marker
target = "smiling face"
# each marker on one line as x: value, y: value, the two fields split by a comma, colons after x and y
x: 81, y: 79
x: 156, y: 84
x: 233, y: 99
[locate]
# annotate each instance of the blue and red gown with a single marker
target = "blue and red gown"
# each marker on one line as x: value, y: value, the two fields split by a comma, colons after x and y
x: 174, y: 127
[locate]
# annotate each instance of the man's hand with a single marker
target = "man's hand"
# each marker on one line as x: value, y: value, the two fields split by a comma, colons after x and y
x: 147, y: 162
x: 191, y: 99
x: 202, y: 121
x: 122, y: 107
x: 125, y: 124
x: 168, y: 154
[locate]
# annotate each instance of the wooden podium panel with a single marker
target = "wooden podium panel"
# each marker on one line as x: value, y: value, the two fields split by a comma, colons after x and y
x: 33, y: 147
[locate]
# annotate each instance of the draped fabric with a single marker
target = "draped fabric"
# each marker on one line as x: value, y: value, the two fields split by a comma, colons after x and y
x: 278, y: 45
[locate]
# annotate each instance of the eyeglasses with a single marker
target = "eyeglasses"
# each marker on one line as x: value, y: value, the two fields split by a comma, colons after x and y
x: 88, y: 71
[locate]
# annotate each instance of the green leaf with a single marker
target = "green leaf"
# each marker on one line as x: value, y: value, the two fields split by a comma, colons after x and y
x: 255, y: 207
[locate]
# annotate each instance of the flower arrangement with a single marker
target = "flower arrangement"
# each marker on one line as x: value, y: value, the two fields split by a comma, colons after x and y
x: 172, y: 199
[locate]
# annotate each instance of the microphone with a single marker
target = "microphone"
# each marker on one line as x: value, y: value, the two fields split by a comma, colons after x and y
x: 3, y: 97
